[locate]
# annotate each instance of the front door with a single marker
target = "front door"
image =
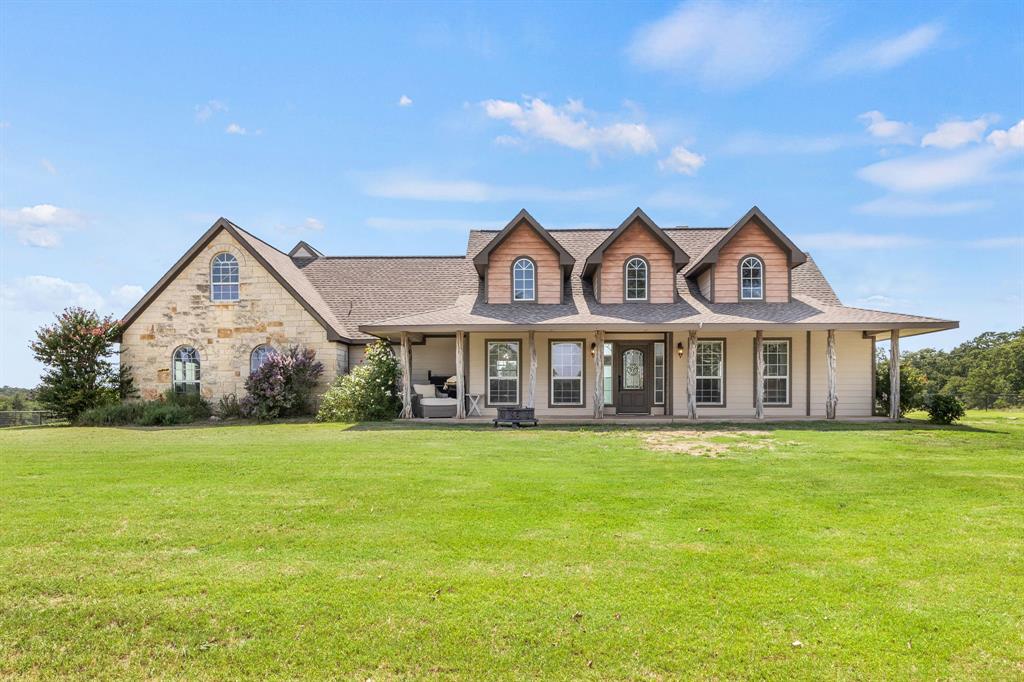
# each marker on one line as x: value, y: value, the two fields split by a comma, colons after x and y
x: 633, y: 362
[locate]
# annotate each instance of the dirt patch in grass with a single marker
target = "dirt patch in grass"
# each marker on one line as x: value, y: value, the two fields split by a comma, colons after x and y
x: 706, y: 443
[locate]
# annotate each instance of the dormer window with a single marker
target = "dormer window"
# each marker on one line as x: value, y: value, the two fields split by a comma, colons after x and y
x: 751, y: 279
x: 636, y: 279
x: 224, y: 278
x: 524, y: 280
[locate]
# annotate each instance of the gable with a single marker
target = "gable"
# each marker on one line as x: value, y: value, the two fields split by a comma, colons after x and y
x: 752, y: 239
x: 481, y: 259
x: 635, y: 219
x: 524, y: 241
x: 636, y: 240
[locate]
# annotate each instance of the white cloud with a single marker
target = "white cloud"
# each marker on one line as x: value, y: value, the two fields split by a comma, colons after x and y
x: 431, y: 224
x: 48, y: 166
x: 406, y: 186
x: 235, y: 129
x: 208, y: 109
x: 997, y: 243
x: 682, y: 160
x: 1012, y: 138
x: 724, y: 45
x: 45, y: 293
x: 405, y: 101
x: 40, y: 225
x: 883, y: 54
x: 313, y: 224
x: 856, y: 241
x: 882, y: 128
x: 904, y: 207
x: 126, y: 295
x: 928, y: 173
x: 570, y: 126
x: 953, y: 134
x: 744, y: 144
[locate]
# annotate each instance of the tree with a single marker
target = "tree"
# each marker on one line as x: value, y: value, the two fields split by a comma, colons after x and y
x: 17, y: 402
x: 913, y: 384
x: 77, y: 352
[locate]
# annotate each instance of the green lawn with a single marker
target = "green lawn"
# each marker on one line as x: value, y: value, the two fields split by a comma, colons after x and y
x: 303, y: 550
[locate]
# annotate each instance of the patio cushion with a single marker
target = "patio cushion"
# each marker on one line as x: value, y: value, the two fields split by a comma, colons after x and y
x: 437, y: 402
x: 425, y: 390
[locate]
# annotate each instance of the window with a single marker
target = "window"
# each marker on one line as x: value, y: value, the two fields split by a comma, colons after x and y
x: 224, y: 278
x: 524, y: 280
x: 659, y: 373
x: 636, y: 279
x: 776, y: 372
x: 607, y: 374
x: 710, y: 372
x: 751, y: 279
x: 185, y: 370
x: 503, y: 372
x: 566, y: 372
x: 259, y: 355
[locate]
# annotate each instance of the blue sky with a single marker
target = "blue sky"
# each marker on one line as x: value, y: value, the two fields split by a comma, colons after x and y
x: 884, y: 138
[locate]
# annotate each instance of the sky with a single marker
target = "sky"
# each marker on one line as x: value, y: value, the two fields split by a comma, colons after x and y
x: 886, y: 139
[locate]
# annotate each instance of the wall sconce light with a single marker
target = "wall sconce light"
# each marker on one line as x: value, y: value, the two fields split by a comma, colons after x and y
x: 593, y: 349
x: 679, y: 349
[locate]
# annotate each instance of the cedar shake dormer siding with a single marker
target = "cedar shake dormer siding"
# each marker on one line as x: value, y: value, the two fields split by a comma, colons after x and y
x: 636, y: 240
x: 751, y: 240
x: 523, y: 240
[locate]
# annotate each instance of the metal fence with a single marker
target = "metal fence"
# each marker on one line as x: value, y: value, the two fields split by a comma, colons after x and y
x: 28, y: 418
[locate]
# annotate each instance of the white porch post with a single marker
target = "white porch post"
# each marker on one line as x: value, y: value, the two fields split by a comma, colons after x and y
x: 531, y: 387
x: 599, y: 374
x: 759, y: 374
x: 894, y: 374
x: 406, y: 378
x: 460, y: 376
x: 691, y: 375
x: 832, y: 396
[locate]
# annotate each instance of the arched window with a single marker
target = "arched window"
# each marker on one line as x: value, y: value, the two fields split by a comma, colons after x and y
x: 259, y: 355
x: 524, y: 280
x: 636, y: 279
x: 185, y: 370
x: 751, y: 279
x: 224, y: 278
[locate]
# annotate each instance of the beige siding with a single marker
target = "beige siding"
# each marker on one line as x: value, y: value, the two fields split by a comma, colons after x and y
x: 524, y: 241
x: 436, y: 355
x: 223, y: 333
x: 751, y: 240
x: 637, y: 240
x: 853, y: 371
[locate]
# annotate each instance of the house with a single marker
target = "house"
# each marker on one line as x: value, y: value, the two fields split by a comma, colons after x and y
x: 637, y: 320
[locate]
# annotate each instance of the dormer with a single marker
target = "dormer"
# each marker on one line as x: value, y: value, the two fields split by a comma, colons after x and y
x: 637, y: 263
x: 304, y: 250
x: 523, y: 264
x: 751, y: 263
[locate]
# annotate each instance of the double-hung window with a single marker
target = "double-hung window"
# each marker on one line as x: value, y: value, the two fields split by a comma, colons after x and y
x: 776, y: 372
x: 710, y: 372
x: 503, y: 372
x: 566, y: 372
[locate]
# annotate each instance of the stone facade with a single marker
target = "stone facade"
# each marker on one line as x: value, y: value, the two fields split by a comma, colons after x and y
x: 224, y: 333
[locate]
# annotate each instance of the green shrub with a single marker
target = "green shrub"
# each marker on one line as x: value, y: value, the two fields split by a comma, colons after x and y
x: 368, y: 393
x: 944, y: 409
x: 169, y: 410
x: 913, y: 384
x: 115, y: 414
x: 228, y: 407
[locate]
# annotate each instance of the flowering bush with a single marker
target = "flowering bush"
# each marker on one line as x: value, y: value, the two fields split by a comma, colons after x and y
x: 283, y: 385
x: 368, y: 393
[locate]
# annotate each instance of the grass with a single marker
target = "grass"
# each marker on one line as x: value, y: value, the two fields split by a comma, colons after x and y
x: 807, y: 551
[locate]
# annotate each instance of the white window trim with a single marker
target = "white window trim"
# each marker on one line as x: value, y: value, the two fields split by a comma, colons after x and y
x: 551, y: 371
x: 721, y: 372
x: 761, y: 268
x: 519, y: 373
x: 237, y: 283
x: 198, y: 381
x: 647, y: 280
x: 789, y: 364
x: 659, y: 373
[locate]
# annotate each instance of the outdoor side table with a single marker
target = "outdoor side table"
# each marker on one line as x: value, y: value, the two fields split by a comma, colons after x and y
x: 474, y: 404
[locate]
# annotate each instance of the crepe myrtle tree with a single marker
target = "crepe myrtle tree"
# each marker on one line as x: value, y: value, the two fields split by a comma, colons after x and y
x: 77, y: 351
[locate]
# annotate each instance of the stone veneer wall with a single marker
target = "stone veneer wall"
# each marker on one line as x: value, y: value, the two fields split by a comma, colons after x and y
x: 223, y: 333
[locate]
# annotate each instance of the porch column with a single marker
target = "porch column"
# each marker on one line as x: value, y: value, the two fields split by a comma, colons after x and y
x: 691, y: 375
x: 598, y: 374
x: 531, y: 386
x: 460, y: 376
x: 406, y: 378
x: 832, y: 396
x: 759, y: 374
x: 894, y: 374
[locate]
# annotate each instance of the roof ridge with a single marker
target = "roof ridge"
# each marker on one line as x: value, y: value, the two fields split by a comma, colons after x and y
x: 460, y: 257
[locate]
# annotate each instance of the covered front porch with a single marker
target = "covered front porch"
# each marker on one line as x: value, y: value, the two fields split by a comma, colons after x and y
x: 654, y: 376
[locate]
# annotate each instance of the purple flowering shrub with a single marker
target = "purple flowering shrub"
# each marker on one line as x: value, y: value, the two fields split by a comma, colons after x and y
x: 283, y: 385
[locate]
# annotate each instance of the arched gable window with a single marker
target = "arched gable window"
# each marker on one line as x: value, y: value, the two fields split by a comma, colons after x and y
x: 636, y: 279
x: 259, y: 355
x: 751, y: 279
x: 185, y: 370
x: 524, y: 280
x: 224, y: 278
